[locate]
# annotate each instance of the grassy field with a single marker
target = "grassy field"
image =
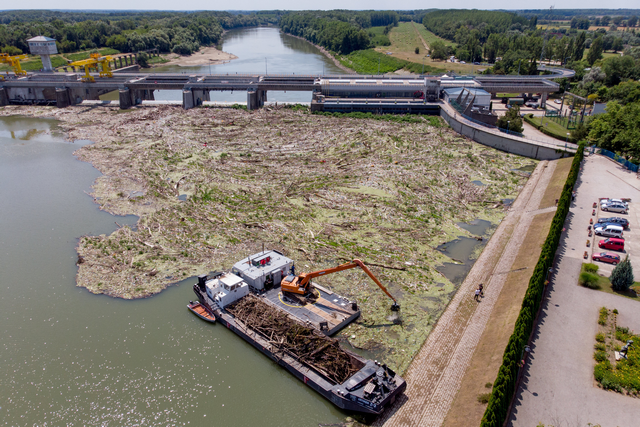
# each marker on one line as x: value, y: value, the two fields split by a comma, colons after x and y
x: 79, y: 56
x: 406, y: 37
x: 372, y: 61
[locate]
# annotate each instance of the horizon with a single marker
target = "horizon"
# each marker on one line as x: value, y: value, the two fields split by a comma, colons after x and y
x: 625, y: 5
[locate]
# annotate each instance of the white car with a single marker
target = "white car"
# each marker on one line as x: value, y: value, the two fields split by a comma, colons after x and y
x: 615, y: 207
x: 557, y: 101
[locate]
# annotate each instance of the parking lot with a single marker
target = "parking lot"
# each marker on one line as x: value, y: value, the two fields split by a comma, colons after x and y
x: 631, y: 236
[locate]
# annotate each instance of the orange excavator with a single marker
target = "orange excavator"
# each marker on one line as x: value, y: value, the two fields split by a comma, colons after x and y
x: 301, y: 284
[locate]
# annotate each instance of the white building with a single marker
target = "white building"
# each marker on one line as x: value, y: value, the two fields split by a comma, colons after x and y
x: 43, y: 46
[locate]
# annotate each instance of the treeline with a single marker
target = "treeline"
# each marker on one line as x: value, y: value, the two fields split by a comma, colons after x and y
x: 566, y: 14
x: 176, y: 32
x: 454, y: 24
x: 338, y: 31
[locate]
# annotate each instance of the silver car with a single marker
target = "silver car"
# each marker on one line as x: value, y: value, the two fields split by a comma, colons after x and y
x: 615, y: 207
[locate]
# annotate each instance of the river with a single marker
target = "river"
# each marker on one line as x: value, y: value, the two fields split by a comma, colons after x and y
x: 259, y: 50
x: 73, y: 358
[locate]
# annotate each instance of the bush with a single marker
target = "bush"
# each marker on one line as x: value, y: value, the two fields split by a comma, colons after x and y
x: 484, y: 398
x: 622, y: 276
x: 417, y: 51
x: 600, y: 346
x: 600, y: 356
x: 600, y: 337
x: 602, y: 318
x: 590, y: 267
x: 589, y: 280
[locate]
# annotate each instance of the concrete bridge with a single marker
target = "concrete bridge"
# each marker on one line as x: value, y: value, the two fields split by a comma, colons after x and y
x: 64, y: 89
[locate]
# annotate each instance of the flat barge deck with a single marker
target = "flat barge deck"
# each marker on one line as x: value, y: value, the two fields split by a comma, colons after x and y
x: 294, y: 332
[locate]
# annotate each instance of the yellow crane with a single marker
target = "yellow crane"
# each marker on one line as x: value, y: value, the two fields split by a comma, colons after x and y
x: 92, y: 63
x: 14, y: 61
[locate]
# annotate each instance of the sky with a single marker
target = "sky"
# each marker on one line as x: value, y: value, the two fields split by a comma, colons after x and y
x: 315, y: 5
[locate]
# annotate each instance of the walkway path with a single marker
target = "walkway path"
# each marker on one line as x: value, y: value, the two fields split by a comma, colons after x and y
x: 435, y: 375
x: 558, y: 386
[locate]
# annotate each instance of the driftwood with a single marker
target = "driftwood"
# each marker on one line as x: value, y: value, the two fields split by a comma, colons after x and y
x: 307, y: 345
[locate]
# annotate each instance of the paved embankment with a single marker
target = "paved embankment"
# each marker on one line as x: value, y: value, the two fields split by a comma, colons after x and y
x: 436, y: 372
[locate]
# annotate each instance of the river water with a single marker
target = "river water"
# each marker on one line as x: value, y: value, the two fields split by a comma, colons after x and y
x: 72, y: 358
x: 259, y: 50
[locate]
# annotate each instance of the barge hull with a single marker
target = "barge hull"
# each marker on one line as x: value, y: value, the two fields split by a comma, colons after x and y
x: 347, y: 400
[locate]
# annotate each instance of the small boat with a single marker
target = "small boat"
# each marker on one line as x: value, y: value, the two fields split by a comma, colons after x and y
x: 199, y: 310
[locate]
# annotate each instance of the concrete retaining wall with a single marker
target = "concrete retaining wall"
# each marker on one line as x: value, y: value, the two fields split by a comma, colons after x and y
x: 504, y: 142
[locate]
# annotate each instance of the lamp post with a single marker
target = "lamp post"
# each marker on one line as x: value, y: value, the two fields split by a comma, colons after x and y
x: 566, y: 141
x: 209, y: 66
x: 508, y: 123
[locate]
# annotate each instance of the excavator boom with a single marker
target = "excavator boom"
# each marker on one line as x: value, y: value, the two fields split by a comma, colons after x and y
x: 301, y: 284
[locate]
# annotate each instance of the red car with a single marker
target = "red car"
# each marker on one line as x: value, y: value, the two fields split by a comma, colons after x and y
x: 606, y: 257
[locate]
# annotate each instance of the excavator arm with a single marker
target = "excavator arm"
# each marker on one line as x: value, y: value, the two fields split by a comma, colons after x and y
x: 301, y: 284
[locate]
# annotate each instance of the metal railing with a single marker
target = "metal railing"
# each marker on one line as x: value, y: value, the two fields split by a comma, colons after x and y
x: 624, y: 162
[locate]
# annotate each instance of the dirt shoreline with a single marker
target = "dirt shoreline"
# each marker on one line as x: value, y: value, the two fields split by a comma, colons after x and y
x: 205, y: 56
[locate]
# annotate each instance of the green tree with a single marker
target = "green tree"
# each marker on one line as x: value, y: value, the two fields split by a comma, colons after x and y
x: 595, y: 51
x: 578, y: 52
x: 617, y: 129
x: 511, y: 121
x: 143, y: 60
x: 617, y: 44
x: 438, y: 50
x: 622, y: 276
x: 417, y: 51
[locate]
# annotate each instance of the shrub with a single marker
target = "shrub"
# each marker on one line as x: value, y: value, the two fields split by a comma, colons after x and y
x: 604, y: 314
x: 622, y: 276
x: 590, y: 267
x: 600, y: 356
x: 589, y: 280
x: 488, y: 385
x: 484, y: 398
x: 600, y: 337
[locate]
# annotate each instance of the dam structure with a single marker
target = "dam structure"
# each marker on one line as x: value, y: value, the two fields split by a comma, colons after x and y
x: 469, y: 113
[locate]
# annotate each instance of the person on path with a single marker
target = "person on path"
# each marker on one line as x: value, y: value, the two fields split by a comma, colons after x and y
x: 477, y: 295
x: 481, y: 289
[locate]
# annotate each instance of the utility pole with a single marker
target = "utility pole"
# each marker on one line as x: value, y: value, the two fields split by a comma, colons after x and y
x: 378, y: 66
x: 265, y: 66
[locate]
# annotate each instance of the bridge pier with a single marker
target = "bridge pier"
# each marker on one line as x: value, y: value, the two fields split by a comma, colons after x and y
x: 62, y: 97
x: 4, y: 99
x: 256, y: 98
x: 543, y: 99
x: 194, y: 97
x: 129, y: 98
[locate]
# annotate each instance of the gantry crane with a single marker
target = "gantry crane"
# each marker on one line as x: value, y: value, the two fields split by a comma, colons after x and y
x: 301, y: 284
x: 14, y: 61
x: 92, y: 63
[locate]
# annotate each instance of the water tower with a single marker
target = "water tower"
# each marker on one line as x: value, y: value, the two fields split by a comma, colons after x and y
x: 43, y: 46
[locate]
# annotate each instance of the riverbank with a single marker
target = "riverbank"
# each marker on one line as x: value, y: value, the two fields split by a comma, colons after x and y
x: 211, y: 185
x: 205, y: 56
x: 328, y: 54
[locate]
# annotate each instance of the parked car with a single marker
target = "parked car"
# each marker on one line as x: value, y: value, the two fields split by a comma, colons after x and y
x: 615, y: 207
x: 612, y: 243
x: 615, y: 220
x: 606, y: 257
x: 557, y: 101
x: 608, y: 230
x: 611, y: 201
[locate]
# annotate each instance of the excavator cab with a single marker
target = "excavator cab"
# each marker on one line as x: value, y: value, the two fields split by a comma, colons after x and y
x: 300, y: 285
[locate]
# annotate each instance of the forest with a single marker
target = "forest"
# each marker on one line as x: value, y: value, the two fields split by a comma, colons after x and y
x: 337, y: 31
x: 178, y: 32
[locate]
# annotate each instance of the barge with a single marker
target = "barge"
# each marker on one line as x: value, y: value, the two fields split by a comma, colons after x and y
x: 349, y: 381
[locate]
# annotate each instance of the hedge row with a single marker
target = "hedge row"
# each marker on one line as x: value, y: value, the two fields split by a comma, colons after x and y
x: 504, y: 386
x: 536, y: 124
